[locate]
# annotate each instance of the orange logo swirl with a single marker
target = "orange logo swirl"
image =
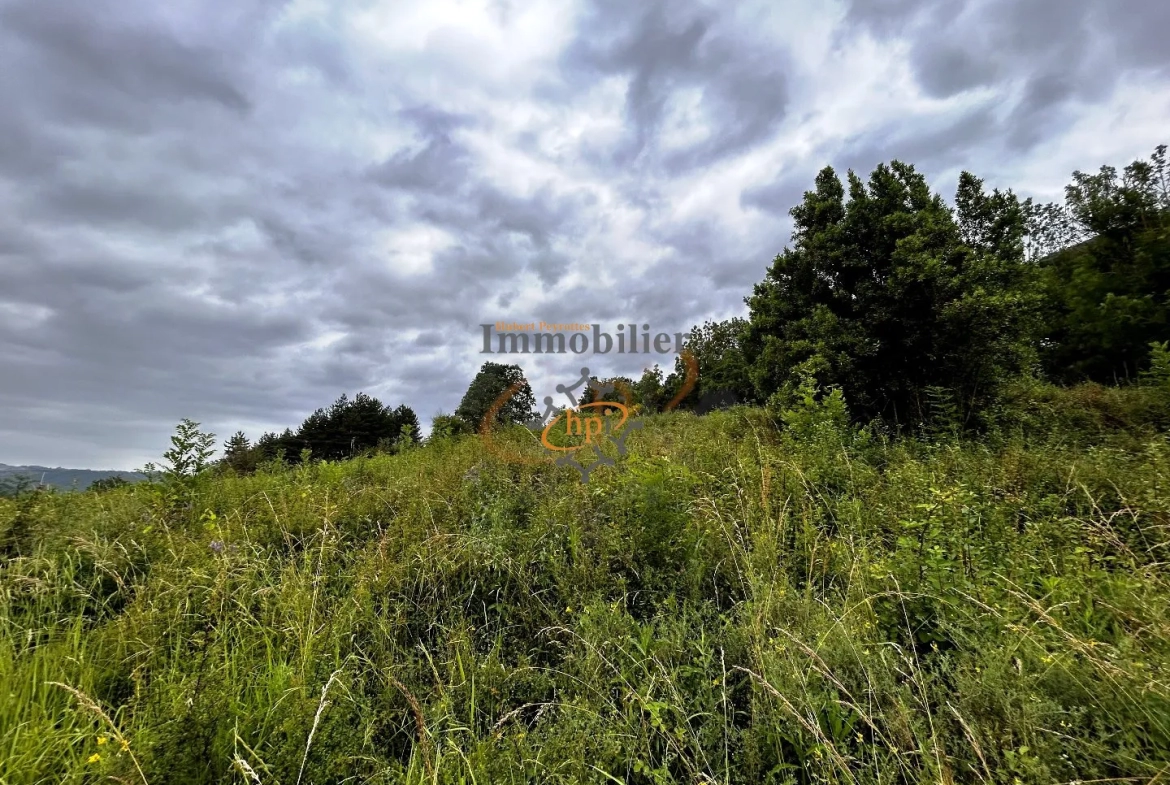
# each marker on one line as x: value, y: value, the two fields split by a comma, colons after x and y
x: 485, y: 426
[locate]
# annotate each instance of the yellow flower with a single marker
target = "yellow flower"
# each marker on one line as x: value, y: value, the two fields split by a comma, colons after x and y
x: 103, y: 739
x: 94, y: 758
x: 125, y: 746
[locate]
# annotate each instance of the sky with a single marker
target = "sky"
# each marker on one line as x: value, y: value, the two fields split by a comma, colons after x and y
x: 236, y: 212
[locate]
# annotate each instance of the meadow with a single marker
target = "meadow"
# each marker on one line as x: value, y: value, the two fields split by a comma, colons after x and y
x: 745, y: 598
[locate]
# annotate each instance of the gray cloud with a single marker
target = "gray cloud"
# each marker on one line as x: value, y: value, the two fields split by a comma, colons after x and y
x: 780, y: 195
x: 1057, y: 51
x: 945, y: 69
x: 237, y: 213
x: 90, y: 69
x: 665, y: 47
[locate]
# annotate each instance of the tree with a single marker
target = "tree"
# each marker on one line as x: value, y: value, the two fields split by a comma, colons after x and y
x: 239, y: 455
x: 279, y: 447
x: 649, y: 390
x: 343, y: 430
x: 108, y: 484
x: 1108, y: 274
x: 717, y: 347
x: 888, y: 293
x: 15, y: 485
x: 349, y: 427
x: 409, y: 430
x: 622, y: 392
x: 488, y: 386
x: 190, y: 453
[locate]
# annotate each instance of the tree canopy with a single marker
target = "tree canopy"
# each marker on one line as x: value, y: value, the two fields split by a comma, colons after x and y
x: 492, y: 381
x: 1108, y: 293
x: 888, y: 292
x: 718, y: 350
x: 347, y: 428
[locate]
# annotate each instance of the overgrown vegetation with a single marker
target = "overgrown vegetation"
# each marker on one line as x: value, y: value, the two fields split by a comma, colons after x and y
x: 913, y: 560
x: 749, y: 597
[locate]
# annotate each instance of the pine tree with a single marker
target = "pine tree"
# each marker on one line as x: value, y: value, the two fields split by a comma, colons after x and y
x: 239, y: 455
x: 408, y: 426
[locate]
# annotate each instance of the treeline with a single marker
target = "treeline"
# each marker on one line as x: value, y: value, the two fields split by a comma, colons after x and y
x: 16, y: 485
x: 889, y: 302
x: 910, y: 306
x: 345, y: 429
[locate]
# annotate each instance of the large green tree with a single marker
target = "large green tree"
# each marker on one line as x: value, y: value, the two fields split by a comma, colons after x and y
x: 347, y: 428
x: 239, y: 455
x: 285, y: 446
x: 1109, y: 285
x: 717, y: 348
x: 650, y: 390
x: 350, y: 427
x: 492, y: 381
x: 623, y: 391
x: 409, y: 428
x: 890, y: 294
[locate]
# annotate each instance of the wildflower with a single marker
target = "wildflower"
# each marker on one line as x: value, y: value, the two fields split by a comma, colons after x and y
x: 93, y: 758
x: 860, y: 738
x: 102, y: 739
x: 216, y: 546
x: 125, y: 746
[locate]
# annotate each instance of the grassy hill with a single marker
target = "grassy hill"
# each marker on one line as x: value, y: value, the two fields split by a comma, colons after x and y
x: 735, y: 603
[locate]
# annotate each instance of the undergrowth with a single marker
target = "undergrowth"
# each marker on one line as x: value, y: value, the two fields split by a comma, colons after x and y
x: 738, y: 601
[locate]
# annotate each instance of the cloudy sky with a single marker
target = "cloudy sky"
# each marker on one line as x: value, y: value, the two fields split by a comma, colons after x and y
x: 235, y: 212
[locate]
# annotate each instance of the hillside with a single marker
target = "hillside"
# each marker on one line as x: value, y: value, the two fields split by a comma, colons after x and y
x: 64, y: 478
x: 733, y: 603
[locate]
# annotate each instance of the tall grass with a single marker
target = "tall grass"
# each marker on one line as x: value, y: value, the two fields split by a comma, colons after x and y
x: 734, y: 603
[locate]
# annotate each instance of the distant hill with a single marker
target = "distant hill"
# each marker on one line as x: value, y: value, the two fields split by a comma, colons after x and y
x: 63, y: 478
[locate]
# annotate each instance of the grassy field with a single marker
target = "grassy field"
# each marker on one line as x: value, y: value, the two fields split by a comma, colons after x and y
x: 736, y: 603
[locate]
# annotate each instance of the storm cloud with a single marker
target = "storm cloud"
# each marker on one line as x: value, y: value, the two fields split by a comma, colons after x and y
x: 235, y: 213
